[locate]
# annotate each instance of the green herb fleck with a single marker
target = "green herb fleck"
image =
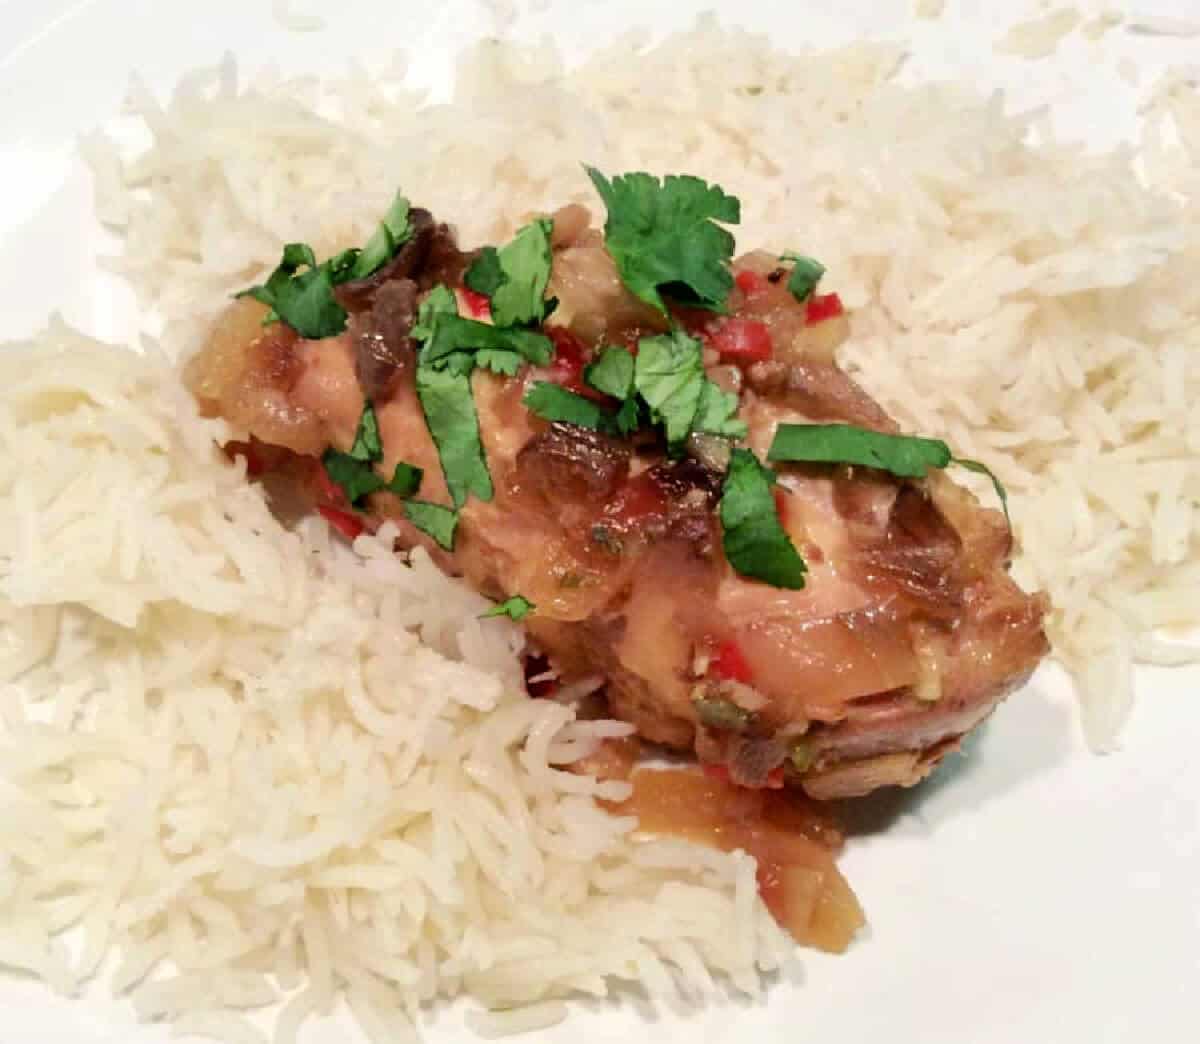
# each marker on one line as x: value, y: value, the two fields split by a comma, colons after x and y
x: 434, y: 520
x: 450, y: 415
x: 716, y: 413
x: 663, y: 236
x: 611, y: 372
x: 514, y: 278
x: 806, y: 274
x: 753, y: 537
x: 393, y: 232
x: 721, y: 714
x: 355, y: 471
x: 515, y: 608
x: 982, y: 469
x: 553, y: 402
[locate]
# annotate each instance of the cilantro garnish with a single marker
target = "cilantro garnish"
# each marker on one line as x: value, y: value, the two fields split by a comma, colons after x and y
x: 515, y: 608
x: 669, y: 375
x: 663, y: 236
x: 450, y: 414
x: 355, y: 471
x: 755, y: 541
x: 304, y: 299
x: 393, y: 232
x: 452, y: 333
x: 806, y: 274
x: 611, y: 372
x: 905, y: 456
x: 514, y: 278
x: 434, y: 520
x: 553, y: 402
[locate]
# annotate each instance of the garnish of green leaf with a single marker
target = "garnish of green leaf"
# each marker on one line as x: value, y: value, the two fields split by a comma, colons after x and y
x: 439, y: 301
x: 452, y: 333
x: 611, y: 372
x: 450, y: 414
x: 393, y: 232
x: 664, y: 237
x: 514, y: 278
x: 515, y: 608
x: 434, y: 520
x: 806, y: 274
x: 721, y: 714
x: 753, y: 537
x: 553, y: 402
x: 905, y: 456
x: 304, y: 299
x: 669, y: 375
x: 355, y: 471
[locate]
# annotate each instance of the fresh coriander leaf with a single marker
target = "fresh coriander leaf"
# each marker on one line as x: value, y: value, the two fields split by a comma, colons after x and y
x: 906, y: 456
x: 982, y: 469
x: 461, y: 363
x: 356, y: 477
x: 515, y: 608
x: 611, y: 372
x: 755, y: 541
x: 303, y: 300
x: 629, y: 416
x: 438, y: 302
x: 498, y: 360
x: 393, y: 232
x: 669, y: 374
x: 663, y: 236
x: 515, y: 277
x: 453, y: 333
x: 450, y: 415
x: 433, y: 519
x: 486, y: 274
x: 717, y: 412
x: 555, y: 403
x: 367, y: 445
x: 405, y: 480
x: 806, y: 274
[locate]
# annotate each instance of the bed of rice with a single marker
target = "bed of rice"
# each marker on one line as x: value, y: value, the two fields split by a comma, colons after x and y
x: 258, y: 766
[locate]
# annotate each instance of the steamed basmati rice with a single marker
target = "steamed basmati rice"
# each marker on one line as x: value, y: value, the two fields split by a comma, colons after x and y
x: 256, y: 764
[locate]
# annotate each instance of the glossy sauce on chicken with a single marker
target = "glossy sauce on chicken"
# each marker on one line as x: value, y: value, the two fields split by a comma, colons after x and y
x: 906, y: 634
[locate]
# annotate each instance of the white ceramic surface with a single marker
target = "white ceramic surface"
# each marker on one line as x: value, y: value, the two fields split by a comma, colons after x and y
x: 1031, y: 892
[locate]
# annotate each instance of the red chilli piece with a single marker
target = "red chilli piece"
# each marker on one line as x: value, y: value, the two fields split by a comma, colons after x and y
x: 822, y: 307
x: 570, y: 357
x: 751, y: 283
x: 741, y: 340
x: 729, y: 663
x: 477, y: 304
x: 350, y: 526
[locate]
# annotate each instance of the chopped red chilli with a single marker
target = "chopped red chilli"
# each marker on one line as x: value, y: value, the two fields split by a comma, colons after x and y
x: 729, y: 664
x: 349, y: 525
x: 741, y: 340
x: 822, y: 307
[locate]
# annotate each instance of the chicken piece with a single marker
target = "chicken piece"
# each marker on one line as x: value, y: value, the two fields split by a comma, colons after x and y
x: 907, y: 634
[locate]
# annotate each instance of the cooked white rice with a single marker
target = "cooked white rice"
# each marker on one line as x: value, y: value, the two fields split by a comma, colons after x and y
x: 255, y: 764
x: 261, y: 767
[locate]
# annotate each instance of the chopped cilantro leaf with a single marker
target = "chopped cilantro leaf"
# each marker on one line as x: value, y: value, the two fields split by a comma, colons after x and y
x: 663, y: 236
x: 806, y: 274
x: 393, y: 232
x: 982, y: 469
x: 754, y: 540
x: 717, y: 412
x: 367, y: 445
x: 433, y: 519
x: 405, y: 480
x: 499, y: 360
x: 629, y: 416
x: 514, y: 277
x: 453, y: 333
x: 555, y: 403
x: 515, y: 608
x: 611, y: 372
x: 450, y: 414
x: 906, y: 456
x: 356, y: 477
x: 439, y: 301
x: 669, y: 374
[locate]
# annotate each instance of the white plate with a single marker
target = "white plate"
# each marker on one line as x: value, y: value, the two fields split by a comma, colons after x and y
x: 1031, y: 892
